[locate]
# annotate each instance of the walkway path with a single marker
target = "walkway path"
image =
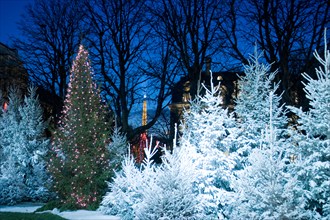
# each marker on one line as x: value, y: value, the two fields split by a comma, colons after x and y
x: 70, y: 215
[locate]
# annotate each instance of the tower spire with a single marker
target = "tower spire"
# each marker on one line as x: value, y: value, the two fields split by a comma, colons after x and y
x: 144, y: 111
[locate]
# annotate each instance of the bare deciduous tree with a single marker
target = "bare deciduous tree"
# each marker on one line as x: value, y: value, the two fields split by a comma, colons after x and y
x: 51, y: 32
x: 287, y: 32
x: 190, y: 28
x: 121, y: 41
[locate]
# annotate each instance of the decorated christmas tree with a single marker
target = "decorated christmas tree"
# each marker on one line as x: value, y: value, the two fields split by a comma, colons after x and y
x: 79, y: 157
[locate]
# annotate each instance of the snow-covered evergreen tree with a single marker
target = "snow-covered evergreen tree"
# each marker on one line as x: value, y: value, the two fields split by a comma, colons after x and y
x: 1, y: 111
x: 11, y: 117
x: 12, y: 190
x: 117, y: 148
x: 11, y: 114
x: 313, y: 138
x: 33, y: 127
x: 265, y: 189
x: 252, y: 104
x: 125, y: 192
x: 1, y: 104
x: 171, y: 194
x: 23, y: 175
x: 211, y: 130
x: 153, y: 191
x: 79, y: 157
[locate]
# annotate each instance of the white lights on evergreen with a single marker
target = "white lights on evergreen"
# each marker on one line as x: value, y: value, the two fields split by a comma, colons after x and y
x: 81, y: 138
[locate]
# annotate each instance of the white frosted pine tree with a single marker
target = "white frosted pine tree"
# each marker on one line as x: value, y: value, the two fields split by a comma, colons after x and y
x: 117, y: 148
x: 24, y: 146
x: 12, y: 189
x: 252, y: 105
x: 126, y: 190
x: 313, y: 138
x: 171, y: 194
x: 265, y: 188
x: 153, y: 191
x: 211, y: 130
x: 8, y: 117
x: 32, y: 126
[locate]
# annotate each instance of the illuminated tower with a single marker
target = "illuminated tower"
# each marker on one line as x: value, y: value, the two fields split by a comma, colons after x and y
x: 143, y: 136
x: 144, y: 111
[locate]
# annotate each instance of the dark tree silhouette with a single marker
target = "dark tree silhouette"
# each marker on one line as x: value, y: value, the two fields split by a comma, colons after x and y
x: 190, y: 27
x: 287, y: 32
x: 51, y: 32
x: 123, y: 47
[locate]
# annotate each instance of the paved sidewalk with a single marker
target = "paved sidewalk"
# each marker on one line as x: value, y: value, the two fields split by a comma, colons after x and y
x: 70, y: 215
x: 23, y: 207
x: 85, y: 215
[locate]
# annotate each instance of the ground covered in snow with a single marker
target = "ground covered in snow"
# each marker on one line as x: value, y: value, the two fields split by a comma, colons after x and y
x: 71, y: 215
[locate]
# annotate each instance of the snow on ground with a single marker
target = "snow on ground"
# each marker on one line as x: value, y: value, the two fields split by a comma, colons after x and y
x: 86, y: 215
x: 71, y: 215
x: 24, y: 207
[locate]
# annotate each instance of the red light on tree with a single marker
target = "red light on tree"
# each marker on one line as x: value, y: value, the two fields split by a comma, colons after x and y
x: 5, y: 106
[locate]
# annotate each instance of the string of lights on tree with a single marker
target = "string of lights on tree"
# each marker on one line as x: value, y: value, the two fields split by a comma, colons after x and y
x: 79, y: 158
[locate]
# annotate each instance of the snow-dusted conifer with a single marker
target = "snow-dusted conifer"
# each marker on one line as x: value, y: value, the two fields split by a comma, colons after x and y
x: 171, y: 193
x: 265, y: 189
x: 24, y: 146
x: 125, y: 191
x: 32, y: 126
x: 210, y: 129
x: 79, y: 157
x: 313, y: 138
x: 9, y: 119
x: 153, y: 191
x: 1, y: 111
x: 12, y: 189
x: 1, y: 104
x: 206, y: 123
x: 252, y: 104
x: 117, y: 148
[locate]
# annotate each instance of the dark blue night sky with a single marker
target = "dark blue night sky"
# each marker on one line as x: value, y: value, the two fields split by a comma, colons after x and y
x: 10, y: 11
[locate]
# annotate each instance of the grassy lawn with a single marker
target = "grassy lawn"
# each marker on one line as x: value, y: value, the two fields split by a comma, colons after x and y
x: 28, y: 216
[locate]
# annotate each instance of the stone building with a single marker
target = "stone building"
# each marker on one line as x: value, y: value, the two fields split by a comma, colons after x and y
x: 12, y: 71
x: 181, y: 93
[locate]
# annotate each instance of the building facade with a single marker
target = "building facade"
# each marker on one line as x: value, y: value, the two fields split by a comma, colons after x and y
x: 12, y: 72
x: 228, y: 82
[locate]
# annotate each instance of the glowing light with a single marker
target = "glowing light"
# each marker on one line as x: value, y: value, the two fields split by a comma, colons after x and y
x: 5, y: 106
